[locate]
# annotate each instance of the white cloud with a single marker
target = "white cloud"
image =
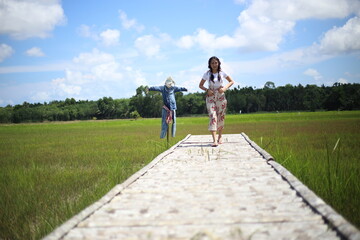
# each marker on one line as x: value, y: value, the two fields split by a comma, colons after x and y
x: 110, y: 37
x: 240, y: 1
x: 40, y: 97
x: 261, y: 32
x: 207, y: 41
x: 191, y: 77
x: 336, y: 41
x: 57, y: 66
x: 185, y: 42
x: 34, y: 91
x: 277, y: 62
x: 342, y: 81
x: 342, y: 39
x: 302, y: 9
x: 129, y: 23
x: 137, y: 76
x: 66, y: 88
x: 313, y: 73
x: 23, y: 19
x: 94, y: 66
x: 90, y: 73
x: 87, y: 31
x: 150, y: 45
x: 263, y: 25
x: 35, y: 52
x: 84, y: 30
x: 5, y: 51
x: 96, y: 74
x: 93, y: 58
x: 210, y: 41
x: 255, y: 32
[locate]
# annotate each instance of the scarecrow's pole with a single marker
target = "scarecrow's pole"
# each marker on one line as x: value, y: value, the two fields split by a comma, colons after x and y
x: 167, y: 135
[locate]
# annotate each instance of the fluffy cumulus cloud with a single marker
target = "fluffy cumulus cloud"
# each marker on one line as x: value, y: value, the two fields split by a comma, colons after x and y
x: 65, y: 88
x: 35, y: 52
x: 210, y: 41
x: 264, y: 25
x: 342, y: 39
x: 94, y: 66
x: 313, y: 73
x: 110, y: 37
x: 150, y: 45
x: 129, y: 23
x: 41, y: 96
x: 87, y: 31
x: 342, y: 81
x: 302, y: 9
x: 185, y: 42
x: 207, y: 41
x: 89, y: 71
x: 261, y: 32
x: 277, y: 62
x: 240, y: 1
x: 93, y: 58
x: 274, y: 19
x: 23, y: 19
x: 5, y: 51
x: 136, y: 75
x: 338, y: 40
x: 96, y: 74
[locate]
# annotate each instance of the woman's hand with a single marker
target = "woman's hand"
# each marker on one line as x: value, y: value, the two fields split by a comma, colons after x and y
x: 210, y: 92
x: 222, y: 90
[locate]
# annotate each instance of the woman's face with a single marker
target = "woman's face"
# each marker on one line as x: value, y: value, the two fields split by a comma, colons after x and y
x: 214, y: 64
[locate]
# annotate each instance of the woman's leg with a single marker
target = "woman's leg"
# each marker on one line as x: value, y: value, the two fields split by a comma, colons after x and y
x: 211, y: 107
x: 220, y: 137
x: 215, y: 142
x: 221, y: 105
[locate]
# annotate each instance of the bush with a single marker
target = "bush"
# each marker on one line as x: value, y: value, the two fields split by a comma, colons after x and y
x: 135, y: 115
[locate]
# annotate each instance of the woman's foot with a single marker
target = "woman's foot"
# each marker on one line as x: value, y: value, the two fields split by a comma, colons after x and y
x: 215, y: 143
x: 220, y: 140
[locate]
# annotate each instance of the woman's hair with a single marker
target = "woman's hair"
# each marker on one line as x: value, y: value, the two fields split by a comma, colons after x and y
x: 218, y: 70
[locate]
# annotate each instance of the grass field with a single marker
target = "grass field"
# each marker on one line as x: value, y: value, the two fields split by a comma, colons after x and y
x: 51, y: 171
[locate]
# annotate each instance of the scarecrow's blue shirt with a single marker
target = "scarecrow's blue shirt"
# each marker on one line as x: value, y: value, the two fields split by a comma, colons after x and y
x: 168, y: 95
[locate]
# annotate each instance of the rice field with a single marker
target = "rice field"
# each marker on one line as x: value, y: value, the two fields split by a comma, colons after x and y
x: 51, y: 171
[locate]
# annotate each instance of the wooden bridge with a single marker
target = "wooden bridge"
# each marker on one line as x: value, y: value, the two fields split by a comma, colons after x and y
x: 195, y: 191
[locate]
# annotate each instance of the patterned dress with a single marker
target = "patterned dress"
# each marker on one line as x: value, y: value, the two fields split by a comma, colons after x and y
x: 216, y: 104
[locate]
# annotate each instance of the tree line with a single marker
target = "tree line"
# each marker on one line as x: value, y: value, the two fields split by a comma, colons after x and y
x: 148, y: 104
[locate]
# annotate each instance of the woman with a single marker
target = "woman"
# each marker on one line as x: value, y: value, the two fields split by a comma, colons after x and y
x: 215, y: 98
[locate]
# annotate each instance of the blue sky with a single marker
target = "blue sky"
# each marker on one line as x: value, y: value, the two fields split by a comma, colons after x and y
x: 88, y: 49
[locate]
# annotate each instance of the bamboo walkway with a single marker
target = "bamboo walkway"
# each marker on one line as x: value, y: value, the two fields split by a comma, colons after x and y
x: 195, y: 191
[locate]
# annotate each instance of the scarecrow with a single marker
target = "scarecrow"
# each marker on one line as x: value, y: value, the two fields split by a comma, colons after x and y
x: 168, y: 110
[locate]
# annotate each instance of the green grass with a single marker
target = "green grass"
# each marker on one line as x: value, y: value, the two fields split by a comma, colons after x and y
x: 51, y: 171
